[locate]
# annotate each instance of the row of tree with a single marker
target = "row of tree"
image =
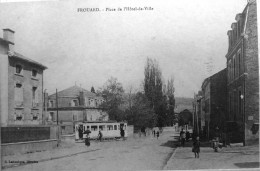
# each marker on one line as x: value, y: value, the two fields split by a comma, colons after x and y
x: 151, y: 106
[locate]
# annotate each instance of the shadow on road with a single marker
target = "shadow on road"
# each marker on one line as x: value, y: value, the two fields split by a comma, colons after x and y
x: 248, y: 165
x: 169, y: 143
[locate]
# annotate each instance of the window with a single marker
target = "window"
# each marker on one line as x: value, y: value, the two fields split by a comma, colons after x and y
x: 51, y: 103
x: 234, y: 106
x: 229, y: 70
x: 35, y: 117
x: 109, y: 127
x: 18, y: 91
x: 51, y: 116
x: 74, y: 102
x: 34, y: 97
x: 34, y: 73
x: 101, y: 127
x: 18, y: 114
x: 94, y: 128
x: 75, y: 117
x: 239, y: 64
x: 18, y: 69
x: 234, y: 67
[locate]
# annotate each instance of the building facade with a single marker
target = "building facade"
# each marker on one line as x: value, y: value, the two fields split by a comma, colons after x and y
x: 213, y: 103
x: 243, y: 76
x: 21, y: 85
x: 74, y: 104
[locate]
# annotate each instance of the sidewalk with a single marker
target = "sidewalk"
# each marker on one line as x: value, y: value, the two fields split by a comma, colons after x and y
x: 65, y: 150
x: 226, y: 158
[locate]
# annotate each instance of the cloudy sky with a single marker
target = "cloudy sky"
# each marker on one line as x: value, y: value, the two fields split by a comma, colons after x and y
x: 187, y: 37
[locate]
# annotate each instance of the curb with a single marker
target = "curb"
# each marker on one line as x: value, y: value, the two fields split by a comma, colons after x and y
x: 48, y: 159
x: 172, y: 157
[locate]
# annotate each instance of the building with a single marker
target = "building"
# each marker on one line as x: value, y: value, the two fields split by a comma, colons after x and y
x: 243, y: 76
x: 21, y: 85
x: 75, y: 104
x: 213, y: 102
x: 198, y: 118
x: 21, y: 102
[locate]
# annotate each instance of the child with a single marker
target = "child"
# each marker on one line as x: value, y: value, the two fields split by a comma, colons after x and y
x: 196, y: 147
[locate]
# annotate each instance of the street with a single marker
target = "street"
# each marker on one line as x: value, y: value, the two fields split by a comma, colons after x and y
x: 139, y: 153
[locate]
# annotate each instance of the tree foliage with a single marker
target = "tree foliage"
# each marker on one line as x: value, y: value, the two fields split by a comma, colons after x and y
x: 113, y: 94
x: 93, y: 90
x: 141, y: 114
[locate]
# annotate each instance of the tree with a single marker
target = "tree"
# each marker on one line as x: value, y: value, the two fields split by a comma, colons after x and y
x: 93, y: 90
x: 154, y: 91
x: 141, y: 114
x: 171, y: 101
x: 113, y: 94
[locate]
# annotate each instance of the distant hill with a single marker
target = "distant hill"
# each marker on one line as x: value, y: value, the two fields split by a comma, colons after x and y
x: 182, y: 103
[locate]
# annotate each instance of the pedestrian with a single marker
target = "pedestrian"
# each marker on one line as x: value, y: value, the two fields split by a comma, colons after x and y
x: 157, y: 133
x: 187, y: 136
x: 196, y: 147
x: 182, y: 138
x: 100, y: 135
x: 80, y: 132
x: 87, y: 139
x: 154, y: 133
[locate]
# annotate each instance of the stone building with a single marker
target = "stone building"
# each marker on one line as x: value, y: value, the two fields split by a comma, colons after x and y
x: 243, y: 76
x: 75, y: 104
x: 21, y: 102
x: 21, y: 85
x: 213, y: 102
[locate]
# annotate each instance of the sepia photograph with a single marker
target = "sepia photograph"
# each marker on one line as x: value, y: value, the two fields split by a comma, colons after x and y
x: 126, y: 85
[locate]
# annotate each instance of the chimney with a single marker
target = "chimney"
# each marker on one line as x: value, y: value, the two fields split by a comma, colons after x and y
x: 9, y: 35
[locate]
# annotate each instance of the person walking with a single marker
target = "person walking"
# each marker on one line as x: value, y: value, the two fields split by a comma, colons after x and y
x: 196, y: 147
x: 100, y: 135
x: 182, y: 138
x: 154, y: 133
x: 157, y: 133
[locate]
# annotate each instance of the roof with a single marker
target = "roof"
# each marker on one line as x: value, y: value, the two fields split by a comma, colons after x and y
x: 19, y: 56
x: 74, y: 91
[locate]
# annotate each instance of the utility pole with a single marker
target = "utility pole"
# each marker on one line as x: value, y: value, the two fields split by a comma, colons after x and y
x: 57, y: 108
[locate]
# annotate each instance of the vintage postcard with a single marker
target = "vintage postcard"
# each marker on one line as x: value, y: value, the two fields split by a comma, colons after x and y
x: 129, y: 85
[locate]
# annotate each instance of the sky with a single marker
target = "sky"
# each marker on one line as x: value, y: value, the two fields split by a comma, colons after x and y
x: 188, y: 38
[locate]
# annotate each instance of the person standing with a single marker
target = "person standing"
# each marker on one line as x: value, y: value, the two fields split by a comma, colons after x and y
x: 157, y: 133
x: 196, y: 147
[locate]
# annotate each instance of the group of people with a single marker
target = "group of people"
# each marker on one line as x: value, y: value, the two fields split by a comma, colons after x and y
x: 185, y: 136
x: 156, y: 133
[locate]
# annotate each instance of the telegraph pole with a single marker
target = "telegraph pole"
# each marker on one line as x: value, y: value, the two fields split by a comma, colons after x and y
x: 57, y: 108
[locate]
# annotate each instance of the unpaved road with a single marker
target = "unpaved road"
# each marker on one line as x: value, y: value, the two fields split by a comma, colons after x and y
x: 145, y: 153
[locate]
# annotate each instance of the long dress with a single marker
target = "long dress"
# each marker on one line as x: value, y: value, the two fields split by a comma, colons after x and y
x: 196, y: 147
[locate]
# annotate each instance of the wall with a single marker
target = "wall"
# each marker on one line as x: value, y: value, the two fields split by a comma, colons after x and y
x: 26, y: 147
x: 252, y: 78
x: 218, y: 103
x: 3, y: 83
x: 27, y: 82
